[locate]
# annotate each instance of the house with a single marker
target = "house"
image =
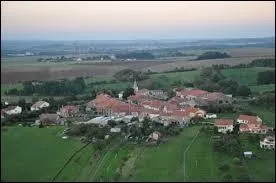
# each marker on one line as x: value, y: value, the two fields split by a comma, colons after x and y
x: 12, y: 110
x: 103, y: 104
x: 158, y: 94
x: 210, y: 116
x: 100, y: 121
x: 138, y: 98
x: 69, y: 111
x: 268, y: 143
x: 115, y: 130
x: 50, y: 119
x: 251, y: 124
x: 247, y: 154
x: 191, y: 93
x: 216, y: 97
x: 39, y: 105
x: 152, y: 105
x: 224, y: 125
x: 120, y: 95
x: 154, y: 136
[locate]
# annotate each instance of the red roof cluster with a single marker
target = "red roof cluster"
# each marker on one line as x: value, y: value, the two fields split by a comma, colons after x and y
x: 194, y: 92
x: 152, y: 103
x: 223, y: 122
x: 250, y: 119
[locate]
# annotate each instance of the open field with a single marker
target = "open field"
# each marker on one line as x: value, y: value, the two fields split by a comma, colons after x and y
x: 26, y: 68
x: 204, y: 63
x: 34, y: 154
x: 163, y: 162
x: 245, y: 76
x: 263, y: 88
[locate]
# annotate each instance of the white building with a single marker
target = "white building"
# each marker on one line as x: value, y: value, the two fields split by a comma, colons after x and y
x: 39, y: 105
x: 115, y: 130
x: 210, y: 116
x: 13, y: 110
x: 268, y: 143
x: 224, y: 125
x: 154, y: 136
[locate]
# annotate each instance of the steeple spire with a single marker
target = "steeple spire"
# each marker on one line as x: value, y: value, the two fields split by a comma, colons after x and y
x: 135, y: 87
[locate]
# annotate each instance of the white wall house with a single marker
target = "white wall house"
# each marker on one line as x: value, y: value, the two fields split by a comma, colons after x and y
x: 268, y: 143
x: 13, y: 110
x: 115, y: 130
x: 244, y: 119
x: 210, y: 115
x: 224, y: 125
x: 39, y: 105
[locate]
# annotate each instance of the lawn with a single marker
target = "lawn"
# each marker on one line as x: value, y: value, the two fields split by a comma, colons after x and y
x: 6, y: 87
x: 245, y: 76
x: 163, y: 162
x: 262, y: 88
x: 261, y: 169
x: 265, y: 113
x: 34, y: 154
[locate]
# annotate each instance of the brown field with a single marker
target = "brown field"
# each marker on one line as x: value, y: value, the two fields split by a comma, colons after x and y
x: 27, y: 69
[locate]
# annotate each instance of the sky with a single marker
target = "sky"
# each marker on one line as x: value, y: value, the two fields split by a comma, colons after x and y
x: 122, y: 20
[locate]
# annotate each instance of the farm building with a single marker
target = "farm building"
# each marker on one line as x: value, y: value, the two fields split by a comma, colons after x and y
x: 115, y: 130
x: 154, y: 136
x: 224, y: 125
x: 247, y: 154
x: 251, y: 124
x: 268, y: 143
x: 50, y: 119
x: 12, y: 110
x: 210, y: 116
x: 39, y: 105
x: 69, y: 111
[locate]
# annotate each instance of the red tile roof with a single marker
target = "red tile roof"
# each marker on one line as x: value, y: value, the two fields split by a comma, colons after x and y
x: 152, y: 103
x: 244, y: 127
x: 250, y: 119
x: 194, y: 92
x: 223, y: 122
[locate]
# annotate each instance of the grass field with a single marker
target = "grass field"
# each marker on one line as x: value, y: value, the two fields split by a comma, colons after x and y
x: 164, y: 162
x: 262, y: 88
x: 245, y: 76
x: 34, y: 154
x: 265, y: 113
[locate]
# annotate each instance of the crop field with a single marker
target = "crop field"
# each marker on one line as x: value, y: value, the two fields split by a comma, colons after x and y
x: 34, y: 154
x: 27, y: 68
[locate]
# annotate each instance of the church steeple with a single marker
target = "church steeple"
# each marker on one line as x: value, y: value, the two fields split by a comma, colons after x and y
x: 135, y: 87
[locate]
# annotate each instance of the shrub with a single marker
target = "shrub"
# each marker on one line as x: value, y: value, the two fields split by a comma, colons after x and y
x: 236, y: 161
x: 227, y: 178
x: 224, y: 167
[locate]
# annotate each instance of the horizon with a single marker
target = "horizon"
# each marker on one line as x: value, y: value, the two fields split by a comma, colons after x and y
x: 176, y: 39
x: 136, y: 20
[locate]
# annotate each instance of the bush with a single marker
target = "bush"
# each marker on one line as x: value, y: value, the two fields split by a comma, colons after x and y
x: 227, y: 178
x: 236, y: 161
x: 224, y: 167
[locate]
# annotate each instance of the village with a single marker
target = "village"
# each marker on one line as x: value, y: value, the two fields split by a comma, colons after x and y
x: 181, y: 110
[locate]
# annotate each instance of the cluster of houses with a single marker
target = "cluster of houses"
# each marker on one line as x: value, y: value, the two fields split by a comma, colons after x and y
x: 155, y: 105
x: 44, y: 118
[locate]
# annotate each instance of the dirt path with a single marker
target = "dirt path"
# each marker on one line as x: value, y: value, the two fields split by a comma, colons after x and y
x: 184, y: 154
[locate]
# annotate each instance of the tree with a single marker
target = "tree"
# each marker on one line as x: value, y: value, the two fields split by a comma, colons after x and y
x: 243, y: 91
x: 112, y: 123
x: 227, y: 178
x: 128, y: 92
x: 22, y: 103
x: 224, y: 167
x: 236, y: 161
